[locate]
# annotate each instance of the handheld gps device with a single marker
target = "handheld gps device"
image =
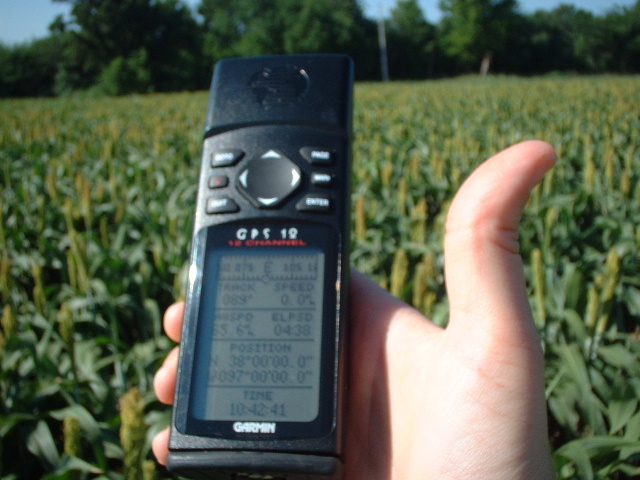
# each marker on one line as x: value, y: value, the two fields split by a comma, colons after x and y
x: 261, y: 380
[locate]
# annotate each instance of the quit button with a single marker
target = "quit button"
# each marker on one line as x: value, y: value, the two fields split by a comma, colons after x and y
x: 221, y: 205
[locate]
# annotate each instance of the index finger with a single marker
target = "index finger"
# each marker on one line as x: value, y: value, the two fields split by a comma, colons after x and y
x: 173, y: 321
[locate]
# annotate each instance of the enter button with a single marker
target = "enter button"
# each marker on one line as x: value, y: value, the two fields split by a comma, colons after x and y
x: 314, y: 203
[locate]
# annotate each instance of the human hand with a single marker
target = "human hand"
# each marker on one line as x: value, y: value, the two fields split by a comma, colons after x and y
x: 456, y: 403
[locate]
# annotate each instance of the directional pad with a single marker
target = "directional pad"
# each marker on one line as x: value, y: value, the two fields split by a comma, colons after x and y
x: 269, y: 179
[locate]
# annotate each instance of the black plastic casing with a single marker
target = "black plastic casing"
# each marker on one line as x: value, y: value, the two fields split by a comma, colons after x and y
x: 255, y: 116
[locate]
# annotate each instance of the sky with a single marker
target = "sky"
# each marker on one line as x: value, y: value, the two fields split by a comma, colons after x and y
x: 24, y: 20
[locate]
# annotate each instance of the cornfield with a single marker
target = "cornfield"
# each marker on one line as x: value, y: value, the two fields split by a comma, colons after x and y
x: 96, y: 214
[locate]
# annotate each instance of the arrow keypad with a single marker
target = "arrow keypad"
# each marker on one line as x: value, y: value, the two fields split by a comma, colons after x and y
x: 268, y: 179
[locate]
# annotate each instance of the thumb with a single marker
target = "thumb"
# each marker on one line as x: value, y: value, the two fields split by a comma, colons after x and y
x: 490, y: 327
x: 483, y: 268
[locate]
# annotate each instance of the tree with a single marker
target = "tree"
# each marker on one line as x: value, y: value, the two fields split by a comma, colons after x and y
x: 411, y: 41
x: 261, y: 27
x: 30, y: 69
x: 622, y: 47
x: 225, y: 24
x: 154, y: 42
x: 474, y: 31
x: 328, y: 26
x: 269, y: 27
x: 567, y: 39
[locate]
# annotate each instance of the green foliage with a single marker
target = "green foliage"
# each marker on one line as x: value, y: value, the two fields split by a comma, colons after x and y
x: 410, y: 36
x: 94, y: 244
x: 30, y: 69
x: 623, y: 38
x: 569, y: 38
x: 132, y: 432
x: 473, y: 29
x: 117, y: 47
x: 250, y: 27
x: 130, y: 46
x: 124, y: 76
x: 96, y: 210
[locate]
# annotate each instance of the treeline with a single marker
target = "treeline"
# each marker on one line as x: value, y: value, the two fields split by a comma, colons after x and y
x: 124, y: 46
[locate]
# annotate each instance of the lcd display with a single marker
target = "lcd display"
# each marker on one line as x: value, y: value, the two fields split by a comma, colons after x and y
x: 260, y: 336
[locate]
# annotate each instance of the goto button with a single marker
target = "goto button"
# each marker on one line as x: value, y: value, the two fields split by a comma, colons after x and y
x: 318, y: 156
x: 314, y: 203
x: 225, y: 158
